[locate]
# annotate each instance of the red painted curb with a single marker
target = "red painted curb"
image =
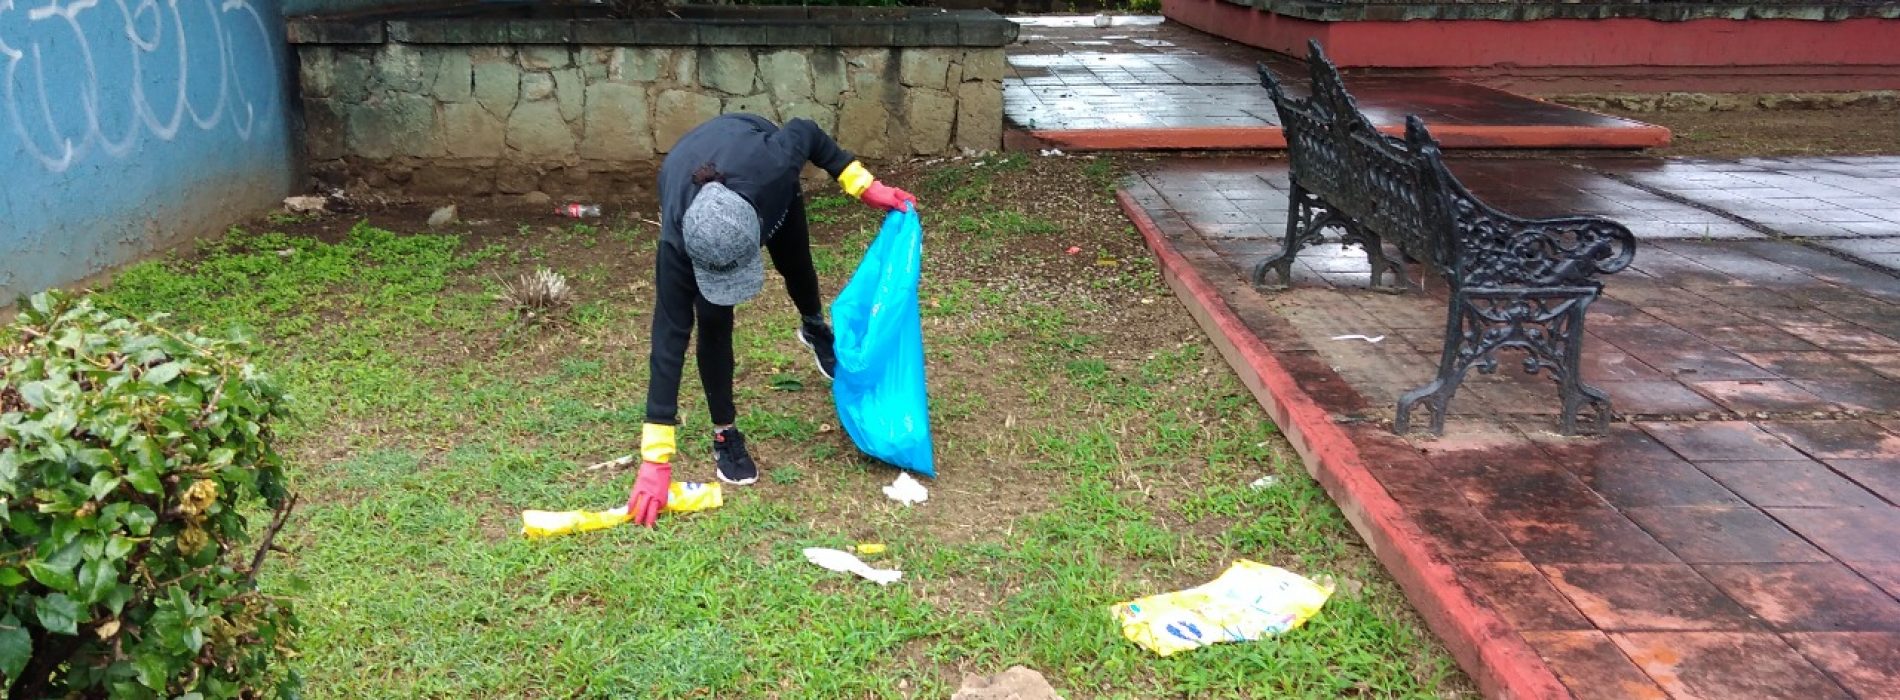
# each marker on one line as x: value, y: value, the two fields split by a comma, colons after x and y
x: 1270, y: 138
x: 1490, y: 650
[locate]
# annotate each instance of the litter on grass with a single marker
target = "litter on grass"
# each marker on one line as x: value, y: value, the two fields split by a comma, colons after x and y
x: 681, y: 497
x: 1265, y: 482
x: 847, y: 563
x: 907, y: 490
x: 1249, y: 601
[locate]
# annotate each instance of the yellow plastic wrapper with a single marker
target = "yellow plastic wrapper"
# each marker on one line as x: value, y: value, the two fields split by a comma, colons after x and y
x: 1249, y: 601
x: 682, y: 497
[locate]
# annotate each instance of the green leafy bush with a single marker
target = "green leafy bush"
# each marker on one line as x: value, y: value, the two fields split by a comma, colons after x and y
x: 132, y: 464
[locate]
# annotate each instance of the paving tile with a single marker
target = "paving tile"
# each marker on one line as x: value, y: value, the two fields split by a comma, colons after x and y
x: 1837, y: 439
x: 1596, y: 535
x: 1886, y: 575
x: 1727, y: 666
x: 1812, y: 365
x: 1850, y: 534
x: 1759, y: 395
x: 1701, y: 534
x: 1522, y: 594
x: 1794, y: 483
x: 1843, y: 337
x: 1462, y: 534
x: 1867, y: 664
x: 1860, y: 396
x: 1623, y: 597
x: 1669, y: 481
x: 1720, y: 440
x: 1512, y: 480
x: 1593, y: 667
x: 1656, y: 398
x: 1881, y: 476
x: 1811, y: 597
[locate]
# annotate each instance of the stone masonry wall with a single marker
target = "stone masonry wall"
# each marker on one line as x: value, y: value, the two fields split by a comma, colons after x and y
x: 481, y: 119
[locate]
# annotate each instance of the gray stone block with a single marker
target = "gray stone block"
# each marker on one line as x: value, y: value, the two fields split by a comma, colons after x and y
x: 468, y: 131
x: 353, y: 70
x: 863, y: 124
x: 454, y: 76
x: 827, y: 76
x: 450, y: 31
x: 980, y: 116
x: 994, y: 31
x: 926, y: 32
x: 677, y: 112
x: 728, y: 70
x: 760, y: 104
x: 536, y: 87
x: 316, y: 71
x: 931, y: 116
x: 324, y: 129
x: 638, y: 64
x: 497, y: 86
x: 984, y: 64
x: 538, y: 132
x: 546, y: 57
x: 397, y: 125
x: 617, y: 125
x: 569, y: 92
x: 923, y: 68
x: 787, y: 74
x: 824, y: 116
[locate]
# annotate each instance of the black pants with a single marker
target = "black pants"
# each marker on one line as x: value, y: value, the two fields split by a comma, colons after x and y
x: 790, y: 249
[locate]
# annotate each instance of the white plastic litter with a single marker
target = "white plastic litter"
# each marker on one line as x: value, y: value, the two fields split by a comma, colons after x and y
x: 306, y: 204
x: 1051, y: 152
x: 907, y: 490
x: 1355, y: 336
x: 848, y: 563
x: 442, y: 217
x: 1265, y: 482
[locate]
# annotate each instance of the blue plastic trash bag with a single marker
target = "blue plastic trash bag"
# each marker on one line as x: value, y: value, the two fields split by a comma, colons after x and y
x: 879, y: 388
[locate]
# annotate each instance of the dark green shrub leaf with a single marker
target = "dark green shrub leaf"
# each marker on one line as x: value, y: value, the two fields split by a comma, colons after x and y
x: 144, y: 478
x: 163, y: 374
x: 96, y: 579
x: 10, y: 577
x: 53, y: 576
x: 103, y: 484
x: 16, y: 647
x: 58, y: 613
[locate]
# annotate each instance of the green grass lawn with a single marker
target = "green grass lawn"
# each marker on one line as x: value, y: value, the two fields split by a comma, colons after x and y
x: 1092, y: 448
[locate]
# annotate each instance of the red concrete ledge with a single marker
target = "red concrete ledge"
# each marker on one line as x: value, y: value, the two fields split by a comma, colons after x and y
x: 1556, y: 41
x: 1501, y: 662
x: 1270, y: 138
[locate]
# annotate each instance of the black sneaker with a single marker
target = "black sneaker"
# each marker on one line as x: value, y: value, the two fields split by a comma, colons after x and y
x: 735, y: 464
x: 817, y: 336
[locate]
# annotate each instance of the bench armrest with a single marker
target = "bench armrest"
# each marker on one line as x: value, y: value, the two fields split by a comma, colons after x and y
x: 1567, y: 251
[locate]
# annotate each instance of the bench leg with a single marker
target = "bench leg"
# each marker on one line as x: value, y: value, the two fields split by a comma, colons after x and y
x: 1305, y: 217
x: 1546, y: 325
x: 1376, y: 259
x: 1571, y: 389
x: 1461, y: 351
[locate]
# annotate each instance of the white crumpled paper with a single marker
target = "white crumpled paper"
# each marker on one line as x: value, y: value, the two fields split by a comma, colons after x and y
x: 846, y: 562
x: 907, y: 490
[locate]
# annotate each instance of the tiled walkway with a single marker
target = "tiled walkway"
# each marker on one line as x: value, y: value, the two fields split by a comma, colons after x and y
x: 1736, y: 535
x: 1144, y: 84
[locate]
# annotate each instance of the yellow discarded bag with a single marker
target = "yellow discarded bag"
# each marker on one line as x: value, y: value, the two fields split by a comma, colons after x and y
x: 681, y: 497
x: 1249, y: 601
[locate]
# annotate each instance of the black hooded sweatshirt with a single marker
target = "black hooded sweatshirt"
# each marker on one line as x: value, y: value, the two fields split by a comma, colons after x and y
x: 757, y: 159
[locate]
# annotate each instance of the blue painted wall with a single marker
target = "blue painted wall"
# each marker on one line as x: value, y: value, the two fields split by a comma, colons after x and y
x: 126, y: 125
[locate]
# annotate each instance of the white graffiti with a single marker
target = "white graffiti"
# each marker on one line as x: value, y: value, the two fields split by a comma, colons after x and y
x: 101, y: 74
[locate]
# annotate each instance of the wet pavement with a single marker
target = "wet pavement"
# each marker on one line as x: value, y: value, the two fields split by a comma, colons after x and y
x: 1069, y: 76
x: 1736, y: 533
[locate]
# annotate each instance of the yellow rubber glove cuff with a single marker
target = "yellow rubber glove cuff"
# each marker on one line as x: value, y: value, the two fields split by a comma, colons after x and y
x: 656, y: 443
x: 856, y: 179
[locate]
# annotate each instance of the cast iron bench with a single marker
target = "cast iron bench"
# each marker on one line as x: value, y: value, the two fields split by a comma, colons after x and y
x: 1515, y: 283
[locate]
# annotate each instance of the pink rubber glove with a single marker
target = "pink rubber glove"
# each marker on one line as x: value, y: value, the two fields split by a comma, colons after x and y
x: 888, y: 198
x: 649, y: 493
